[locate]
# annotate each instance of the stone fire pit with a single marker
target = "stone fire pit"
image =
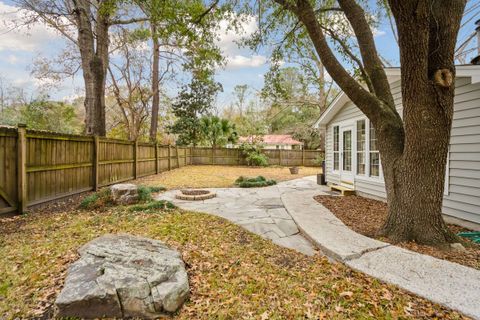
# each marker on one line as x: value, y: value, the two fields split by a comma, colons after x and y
x: 195, y: 194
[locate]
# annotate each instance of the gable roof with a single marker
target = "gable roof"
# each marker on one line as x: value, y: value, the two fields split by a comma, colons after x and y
x: 273, y: 139
x: 393, y: 74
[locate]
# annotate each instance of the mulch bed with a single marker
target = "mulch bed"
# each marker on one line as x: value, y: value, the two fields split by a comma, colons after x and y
x: 366, y: 216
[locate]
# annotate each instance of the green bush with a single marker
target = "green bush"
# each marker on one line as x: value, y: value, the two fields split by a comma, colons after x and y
x: 152, y: 206
x: 144, y: 194
x: 319, y: 159
x: 97, y: 200
x: 259, y: 181
x: 257, y: 159
x: 154, y: 189
x: 253, y: 154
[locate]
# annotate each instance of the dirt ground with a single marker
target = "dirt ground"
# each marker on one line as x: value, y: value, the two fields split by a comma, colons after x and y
x: 220, y: 176
x: 366, y: 216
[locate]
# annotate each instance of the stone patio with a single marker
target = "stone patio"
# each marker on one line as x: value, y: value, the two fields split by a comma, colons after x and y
x: 259, y: 210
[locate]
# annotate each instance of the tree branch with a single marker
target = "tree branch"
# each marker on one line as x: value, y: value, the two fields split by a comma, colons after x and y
x: 372, y: 63
x: 128, y: 21
x: 206, y: 12
x: 361, y: 97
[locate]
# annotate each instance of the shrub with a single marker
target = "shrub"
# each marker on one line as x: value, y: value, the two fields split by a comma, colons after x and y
x: 154, y: 189
x: 97, y: 200
x: 319, y: 159
x: 253, y: 154
x: 259, y: 181
x: 257, y: 159
x: 144, y: 194
x: 152, y: 206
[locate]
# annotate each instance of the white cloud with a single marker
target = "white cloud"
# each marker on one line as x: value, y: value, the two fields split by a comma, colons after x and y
x: 229, y: 37
x: 378, y: 33
x: 23, y: 38
x: 12, y: 59
x: 240, y: 61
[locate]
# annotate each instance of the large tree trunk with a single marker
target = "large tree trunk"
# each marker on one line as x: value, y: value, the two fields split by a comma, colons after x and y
x: 94, y: 65
x: 413, y: 149
x: 415, y: 181
x: 155, y: 84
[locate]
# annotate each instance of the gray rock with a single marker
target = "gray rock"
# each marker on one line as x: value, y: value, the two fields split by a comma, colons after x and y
x: 121, y: 276
x: 124, y: 193
x: 458, y: 247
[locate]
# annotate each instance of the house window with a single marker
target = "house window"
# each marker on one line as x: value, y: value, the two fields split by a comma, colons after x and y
x: 374, y: 154
x: 361, y: 140
x: 336, y: 148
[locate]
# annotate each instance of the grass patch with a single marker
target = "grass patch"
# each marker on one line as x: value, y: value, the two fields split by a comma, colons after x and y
x: 260, y: 181
x: 233, y: 273
x: 152, y: 206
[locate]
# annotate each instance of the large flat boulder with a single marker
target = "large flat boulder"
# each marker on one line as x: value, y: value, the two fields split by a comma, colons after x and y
x: 121, y: 276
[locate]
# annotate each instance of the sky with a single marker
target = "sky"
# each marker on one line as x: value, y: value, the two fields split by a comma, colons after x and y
x: 19, y: 49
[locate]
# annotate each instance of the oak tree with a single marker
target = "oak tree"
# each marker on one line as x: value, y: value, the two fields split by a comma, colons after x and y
x: 414, y: 147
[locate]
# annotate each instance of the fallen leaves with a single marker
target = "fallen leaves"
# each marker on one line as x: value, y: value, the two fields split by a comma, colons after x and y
x: 233, y: 274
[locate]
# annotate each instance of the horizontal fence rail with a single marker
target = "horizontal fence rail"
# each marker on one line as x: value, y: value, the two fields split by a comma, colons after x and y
x: 37, y: 166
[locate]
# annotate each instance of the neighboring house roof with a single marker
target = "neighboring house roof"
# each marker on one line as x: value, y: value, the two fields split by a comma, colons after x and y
x: 393, y: 74
x: 272, y: 139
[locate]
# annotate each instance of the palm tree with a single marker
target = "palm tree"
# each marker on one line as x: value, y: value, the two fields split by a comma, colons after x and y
x: 218, y: 132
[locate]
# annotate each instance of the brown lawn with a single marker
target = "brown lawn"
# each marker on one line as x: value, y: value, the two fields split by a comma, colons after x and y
x: 219, y: 176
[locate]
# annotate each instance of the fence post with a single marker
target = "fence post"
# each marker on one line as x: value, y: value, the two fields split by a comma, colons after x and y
x: 22, y: 167
x: 279, y: 157
x: 303, y: 157
x: 191, y: 155
x: 213, y: 155
x: 238, y: 156
x: 169, y: 158
x: 178, y: 157
x: 135, y: 159
x: 96, y: 151
x: 156, y: 157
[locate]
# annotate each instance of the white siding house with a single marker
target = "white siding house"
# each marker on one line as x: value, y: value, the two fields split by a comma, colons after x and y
x: 352, y: 159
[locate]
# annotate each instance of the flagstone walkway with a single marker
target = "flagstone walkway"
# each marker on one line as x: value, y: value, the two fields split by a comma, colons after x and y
x: 259, y: 210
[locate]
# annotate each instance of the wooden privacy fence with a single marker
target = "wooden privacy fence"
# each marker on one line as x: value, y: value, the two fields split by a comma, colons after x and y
x: 279, y: 157
x: 37, y: 166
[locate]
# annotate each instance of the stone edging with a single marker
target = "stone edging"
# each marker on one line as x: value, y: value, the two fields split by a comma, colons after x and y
x: 447, y: 283
x: 195, y: 195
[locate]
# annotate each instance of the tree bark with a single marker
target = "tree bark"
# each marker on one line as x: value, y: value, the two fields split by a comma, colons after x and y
x: 93, y: 47
x: 413, y: 150
x: 155, y: 84
x: 415, y: 183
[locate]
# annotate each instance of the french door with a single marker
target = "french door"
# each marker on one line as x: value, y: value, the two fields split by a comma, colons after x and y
x: 346, y: 156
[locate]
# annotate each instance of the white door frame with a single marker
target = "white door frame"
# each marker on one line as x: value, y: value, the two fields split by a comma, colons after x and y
x: 346, y: 174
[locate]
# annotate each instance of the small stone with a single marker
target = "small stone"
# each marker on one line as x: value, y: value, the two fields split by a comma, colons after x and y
x: 124, y: 276
x: 124, y: 193
x: 458, y: 247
